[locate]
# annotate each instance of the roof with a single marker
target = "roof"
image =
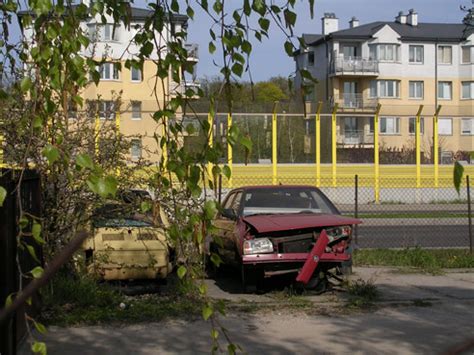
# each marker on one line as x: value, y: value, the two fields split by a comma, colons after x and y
x: 136, y: 14
x: 444, y: 32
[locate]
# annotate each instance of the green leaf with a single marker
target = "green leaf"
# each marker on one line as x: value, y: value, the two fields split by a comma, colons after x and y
x: 237, y: 69
x: 190, y: 12
x: 290, y: 18
x: 214, y: 334
x: 206, y: 312
x: 210, y: 209
x: 181, y: 271
x: 37, y: 122
x: 3, y: 195
x: 26, y: 84
x: 289, y: 48
x: 246, y: 47
x: 226, y: 171
x: 32, y: 252
x: 36, y: 232
x: 37, y: 272
x: 9, y: 300
x: 458, y: 173
x: 145, y: 206
x: 231, y: 349
x: 216, y: 259
x: 247, y: 8
x: 40, y: 328
x: 84, y: 161
x: 246, y: 142
x: 51, y: 153
x: 212, y: 47
x: 39, y: 347
x: 264, y: 23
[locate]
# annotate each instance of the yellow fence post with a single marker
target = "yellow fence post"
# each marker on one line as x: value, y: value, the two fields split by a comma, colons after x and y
x: 274, y: 145
x: 229, y: 150
x: 210, y: 141
x: 117, y: 132
x: 165, y: 145
x: 418, y: 146
x: 376, y: 155
x: 96, y: 134
x: 436, y: 146
x: 334, y: 144
x: 317, y: 129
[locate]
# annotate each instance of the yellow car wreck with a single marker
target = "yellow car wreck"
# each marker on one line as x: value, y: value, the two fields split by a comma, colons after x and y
x: 126, y: 245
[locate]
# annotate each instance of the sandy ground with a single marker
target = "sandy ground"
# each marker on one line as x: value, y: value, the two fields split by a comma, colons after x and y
x: 400, y: 324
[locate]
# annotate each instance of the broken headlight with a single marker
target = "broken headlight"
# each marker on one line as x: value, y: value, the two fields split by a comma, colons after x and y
x: 258, y: 246
x: 337, y: 233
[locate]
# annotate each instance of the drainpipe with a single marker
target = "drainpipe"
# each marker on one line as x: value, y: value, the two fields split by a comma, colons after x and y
x: 436, y: 91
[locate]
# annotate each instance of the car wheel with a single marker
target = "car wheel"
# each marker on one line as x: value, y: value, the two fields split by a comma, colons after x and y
x: 318, y: 283
x: 251, y: 276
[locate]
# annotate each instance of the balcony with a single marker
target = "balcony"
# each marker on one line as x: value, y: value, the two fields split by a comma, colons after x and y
x: 355, y: 138
x: 193, y: 52
x: 180, y: 88
x: 354, y: 67
x: 355, y: 102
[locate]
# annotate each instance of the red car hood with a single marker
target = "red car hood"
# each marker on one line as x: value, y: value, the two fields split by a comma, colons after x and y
x: 281, y: 222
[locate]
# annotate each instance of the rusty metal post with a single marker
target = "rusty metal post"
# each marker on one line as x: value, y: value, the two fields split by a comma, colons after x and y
x: 469, y: 212
x: 356, y: 208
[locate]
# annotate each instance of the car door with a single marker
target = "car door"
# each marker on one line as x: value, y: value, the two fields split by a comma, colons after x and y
x: 227, y: 229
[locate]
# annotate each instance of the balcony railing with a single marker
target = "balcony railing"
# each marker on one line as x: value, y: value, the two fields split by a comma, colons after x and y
x: 184, y: 85
x: 355, y: 101
x: 354, y: 66
x: 355, y: 137
x: 193, y: 51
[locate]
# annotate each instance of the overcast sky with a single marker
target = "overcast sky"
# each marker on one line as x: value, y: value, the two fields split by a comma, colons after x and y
x: 269, y: 58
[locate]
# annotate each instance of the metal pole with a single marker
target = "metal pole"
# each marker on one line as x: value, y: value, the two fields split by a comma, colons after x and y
x: 318, y: 143
x: 334, y: 144
x: 96, y: 133
x: 376, y: 155
x: 117, y: 132
x: 436, y: 146
x: 469, y: 212
x: 220, y: 189
x: 165, y: 145
x: 229, y: 150
x: 210, y: 142
x: 356, y: 209
x: 418, y: 146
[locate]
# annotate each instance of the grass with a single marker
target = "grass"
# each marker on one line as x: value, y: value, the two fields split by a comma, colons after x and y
x: 427, y: 260
x: 82, y: 300
x: 425, y: 215
x: 362, y: 293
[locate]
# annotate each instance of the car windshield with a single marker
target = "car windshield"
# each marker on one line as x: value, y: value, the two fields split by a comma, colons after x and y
x: 286, y: 200
x: 116, y: 216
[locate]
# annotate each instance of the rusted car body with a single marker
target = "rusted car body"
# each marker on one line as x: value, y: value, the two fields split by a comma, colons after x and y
x: 127, y: 246
x: 272, y: 230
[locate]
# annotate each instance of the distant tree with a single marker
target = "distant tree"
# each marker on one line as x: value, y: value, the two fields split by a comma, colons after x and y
x: 267, y: 91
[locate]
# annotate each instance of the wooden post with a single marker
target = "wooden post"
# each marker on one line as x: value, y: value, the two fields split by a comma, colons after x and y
x: 334, y: 144
x: 376, y: 155
x: 317, y: 146
x: 418, y: 145
x: 229, y: 150
x: 436, y: 146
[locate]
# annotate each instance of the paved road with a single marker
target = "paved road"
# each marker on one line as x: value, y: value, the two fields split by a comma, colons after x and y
x: 400, y: 233
x: 443, y: 319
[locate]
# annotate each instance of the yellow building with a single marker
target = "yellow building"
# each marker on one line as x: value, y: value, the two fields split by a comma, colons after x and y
x: 129, y: 97
x: 399, y: 65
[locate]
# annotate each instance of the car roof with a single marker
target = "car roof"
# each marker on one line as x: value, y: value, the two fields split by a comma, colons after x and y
x: 275, y: 187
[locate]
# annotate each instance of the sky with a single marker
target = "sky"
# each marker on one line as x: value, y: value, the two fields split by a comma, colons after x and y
x: 269, y: 58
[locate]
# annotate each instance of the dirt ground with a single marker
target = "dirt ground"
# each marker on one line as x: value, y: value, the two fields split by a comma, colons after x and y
x: 415, y: 314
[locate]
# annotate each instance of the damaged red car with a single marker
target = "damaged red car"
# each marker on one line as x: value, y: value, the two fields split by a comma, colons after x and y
x: 274, y: 230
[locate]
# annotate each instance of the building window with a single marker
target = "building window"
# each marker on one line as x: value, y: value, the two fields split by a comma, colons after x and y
x: 311, y: 58
x: 467, y: 126
x: 103, y: 33
x: 136, y: 110
x: 445, y: 89
x: 109, y: 71
x: 416, y: 89
x: 384, y: 52
x: 136, y: 149
x: 468, y: 54
x: 136, y: 74
x: 416, y: 54
x: 412, y: 125
x: 445, y: 54
x: 106, y: 110
x: 389, y: 125
x: 385, y: 88
x: 467, y: 90
x: 445, y: 126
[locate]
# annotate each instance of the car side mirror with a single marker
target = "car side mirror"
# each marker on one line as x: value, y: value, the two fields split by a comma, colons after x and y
x: 229, y: 213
